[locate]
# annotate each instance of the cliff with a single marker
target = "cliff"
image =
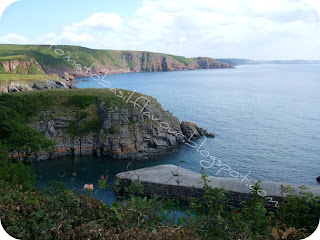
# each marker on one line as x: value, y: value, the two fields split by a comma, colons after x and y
x: 80, y: 61
x: 10, y: 83
x: 118, y: 123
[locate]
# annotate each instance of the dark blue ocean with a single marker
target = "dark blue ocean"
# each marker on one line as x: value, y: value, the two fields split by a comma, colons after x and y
x: 266, y: 119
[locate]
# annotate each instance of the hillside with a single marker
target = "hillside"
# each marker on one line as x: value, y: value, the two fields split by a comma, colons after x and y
x: 99, y: 121
x: 75, y: 60
x: 31, y: 82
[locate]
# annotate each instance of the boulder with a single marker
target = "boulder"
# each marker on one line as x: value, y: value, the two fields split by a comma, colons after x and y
x: 318, y: 179
x: 65, y: 76
x: 192, y: 131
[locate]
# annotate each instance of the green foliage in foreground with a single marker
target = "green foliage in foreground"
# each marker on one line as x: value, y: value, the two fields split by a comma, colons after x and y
x: 16, y: 136
x: 58, y: 213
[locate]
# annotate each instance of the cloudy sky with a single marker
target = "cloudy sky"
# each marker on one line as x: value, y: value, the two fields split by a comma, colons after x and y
x: 255, y: 29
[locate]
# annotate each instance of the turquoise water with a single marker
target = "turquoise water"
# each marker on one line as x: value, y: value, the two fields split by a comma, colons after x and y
x: 266, y: 119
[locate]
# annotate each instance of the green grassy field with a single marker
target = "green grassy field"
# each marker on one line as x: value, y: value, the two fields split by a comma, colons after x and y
x: 13, y: 57
x: 67, y: 56
x: 72, y: 101
x: 25, y: 77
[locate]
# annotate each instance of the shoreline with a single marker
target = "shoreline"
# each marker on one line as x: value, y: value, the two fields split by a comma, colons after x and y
x: 116, y: 73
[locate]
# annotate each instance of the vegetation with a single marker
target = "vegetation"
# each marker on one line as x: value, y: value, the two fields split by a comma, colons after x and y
x: 67, y: 101
x: 5, y: 78
x: 184, y: 60
x: 64, y: 56
x: 113, y: 130
x: 59, y: 213
x: 16, y: 137
x: 20, y: 109
x: 13, y: 57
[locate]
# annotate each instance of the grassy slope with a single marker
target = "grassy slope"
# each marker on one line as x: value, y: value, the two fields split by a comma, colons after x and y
x: 46, y: 56
x: 61, y: 100
x: 25, y: 77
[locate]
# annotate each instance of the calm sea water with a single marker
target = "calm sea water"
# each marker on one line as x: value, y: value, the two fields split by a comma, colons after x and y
x: 266, y: 119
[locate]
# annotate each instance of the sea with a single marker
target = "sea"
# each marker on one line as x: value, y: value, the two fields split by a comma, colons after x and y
x: 266, y: 119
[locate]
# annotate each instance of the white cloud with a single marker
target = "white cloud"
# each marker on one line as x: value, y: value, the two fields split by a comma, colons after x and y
x: 97, y: 21
x: 13, y: 38
x: 229, y: 28
x: 264, y: 29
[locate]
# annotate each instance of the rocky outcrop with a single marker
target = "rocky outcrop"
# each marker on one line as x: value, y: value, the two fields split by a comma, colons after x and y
x: 127, y: 61
x: 18, y: 86
x: 21, y: 66
x: 192, y: 131
x: 124, y: 133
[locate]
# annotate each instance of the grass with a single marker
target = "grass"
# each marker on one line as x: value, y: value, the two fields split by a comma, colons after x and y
x: 81, y: 105
x: 49, y: 59
x: 13, y: 57
x: 181, y: 59
x: 25, y: 77
x: 63, y: 99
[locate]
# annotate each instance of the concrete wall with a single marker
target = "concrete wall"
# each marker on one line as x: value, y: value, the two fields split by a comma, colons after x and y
x: 177, y: 183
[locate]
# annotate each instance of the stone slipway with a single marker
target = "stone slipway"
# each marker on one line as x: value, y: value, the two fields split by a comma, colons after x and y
x: 178, y: 183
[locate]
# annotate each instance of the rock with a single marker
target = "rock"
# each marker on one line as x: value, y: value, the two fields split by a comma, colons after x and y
x: 30, y: 66
x: 192, y: 131
x: 125, y: 133
x: 35, y: 85
x: 65, y: 76
x: 318, y: 179
x: 210, y: 135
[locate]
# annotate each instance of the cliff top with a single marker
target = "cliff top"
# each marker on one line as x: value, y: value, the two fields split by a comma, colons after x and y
x: 71, y: 101
x: 5, y: 78
x: 65, y: 58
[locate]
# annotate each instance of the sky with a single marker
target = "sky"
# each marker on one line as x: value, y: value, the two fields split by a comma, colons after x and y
x: 253, y: 29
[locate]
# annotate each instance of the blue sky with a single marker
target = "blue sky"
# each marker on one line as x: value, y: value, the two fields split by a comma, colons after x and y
x: 264, y: 29
x: 34, y: 17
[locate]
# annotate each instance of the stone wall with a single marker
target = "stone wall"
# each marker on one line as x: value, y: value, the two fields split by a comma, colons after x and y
x: 177, y: 183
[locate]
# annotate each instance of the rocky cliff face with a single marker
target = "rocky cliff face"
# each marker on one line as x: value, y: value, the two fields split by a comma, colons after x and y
x: 129, y: 61
x: 123, y: 133
x: 30, y: 66
x: 18, y: 86
x: 79, y: 61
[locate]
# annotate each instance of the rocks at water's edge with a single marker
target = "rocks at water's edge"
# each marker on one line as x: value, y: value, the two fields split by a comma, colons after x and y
x: 125, y: 133
x: 192, y: 131
x: 318, y: 179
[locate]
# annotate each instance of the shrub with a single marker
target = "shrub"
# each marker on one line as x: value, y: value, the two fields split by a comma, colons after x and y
x: 81, y: 101
x: 113, y: 130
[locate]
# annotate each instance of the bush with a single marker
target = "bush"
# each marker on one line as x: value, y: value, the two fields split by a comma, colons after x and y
x: 113, y: 130
x: 81, y: 101
x: 82, y: 128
